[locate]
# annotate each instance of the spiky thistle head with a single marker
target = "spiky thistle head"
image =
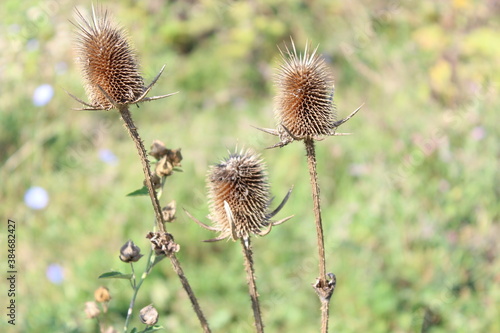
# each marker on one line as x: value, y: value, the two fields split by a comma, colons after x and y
x: 240, y: 183
x: 109, y: 64
x: 304, y: 102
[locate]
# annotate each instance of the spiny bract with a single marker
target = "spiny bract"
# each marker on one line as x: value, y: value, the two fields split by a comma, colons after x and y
x: 241, y: 181
x: 107, y: 61
x: 304, y: 105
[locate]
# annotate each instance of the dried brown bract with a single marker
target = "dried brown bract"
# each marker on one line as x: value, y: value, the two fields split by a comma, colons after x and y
x: 163, y: 243
x: 239, y: 198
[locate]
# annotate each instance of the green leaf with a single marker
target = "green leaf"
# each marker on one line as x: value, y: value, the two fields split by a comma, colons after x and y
x: 115, y: 275
x: 177, y: 169
x: 153, y: 329
x: 141, y: 191
x: 134, y: 330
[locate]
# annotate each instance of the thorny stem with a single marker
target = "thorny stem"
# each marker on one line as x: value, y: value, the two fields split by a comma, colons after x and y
x: 185, y: 283
x: 321, y: 286
x: 325, y: 308
x: 132, y: 130
x: 311, y: 163
x: 252, y: 287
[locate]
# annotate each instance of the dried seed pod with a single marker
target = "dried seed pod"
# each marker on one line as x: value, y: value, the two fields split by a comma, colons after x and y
x: 169, y: 211
x: 240, y: 183
x: 130, y: 252
x: 92, y: 310
x: 303, y: 105
x: 148, y: 315
x: 163, y: 243
x: 108, y: 62
x: 102, y: 295
x: 164, y: 167
x: 158, y: 149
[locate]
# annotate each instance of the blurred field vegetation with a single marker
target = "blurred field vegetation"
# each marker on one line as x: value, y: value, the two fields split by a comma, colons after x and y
x: 410, y: 200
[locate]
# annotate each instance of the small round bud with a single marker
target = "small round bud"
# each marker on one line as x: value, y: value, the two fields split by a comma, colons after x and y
x: 91, y: 310
x: 130, y: 252
x: 148, y: 315
x: 102, y: 295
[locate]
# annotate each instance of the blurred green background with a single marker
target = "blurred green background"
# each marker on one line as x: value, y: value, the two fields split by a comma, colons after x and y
x: 410, y: 200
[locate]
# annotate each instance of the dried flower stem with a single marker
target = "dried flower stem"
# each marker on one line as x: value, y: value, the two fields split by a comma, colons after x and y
x: 252, y: 287
x: 132, y: 131
x: 325, y: 301
x: 311, y: 163
x: 134, y: 134
x: 185, y: 283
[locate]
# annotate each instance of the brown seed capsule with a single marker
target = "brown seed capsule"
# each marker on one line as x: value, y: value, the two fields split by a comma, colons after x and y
x: 163, y: 243
x: 102, y: 295
x: 303, y: 105
x: 148, y: 315
x: 238, y: 191
x: 108, y: 62
x: 164, y: 167
x: 130, y: 252
x: 158, y: 149
x: 169, y: 211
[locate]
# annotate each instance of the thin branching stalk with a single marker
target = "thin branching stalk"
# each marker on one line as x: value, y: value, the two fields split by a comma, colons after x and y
x: 134, y: 134
x: 136, y: 286
x: 252, y: 287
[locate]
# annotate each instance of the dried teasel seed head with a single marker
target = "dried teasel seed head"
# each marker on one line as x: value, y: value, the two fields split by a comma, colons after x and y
x: 241, y: 182
x: 303, y: 105
x: 108, y: 62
